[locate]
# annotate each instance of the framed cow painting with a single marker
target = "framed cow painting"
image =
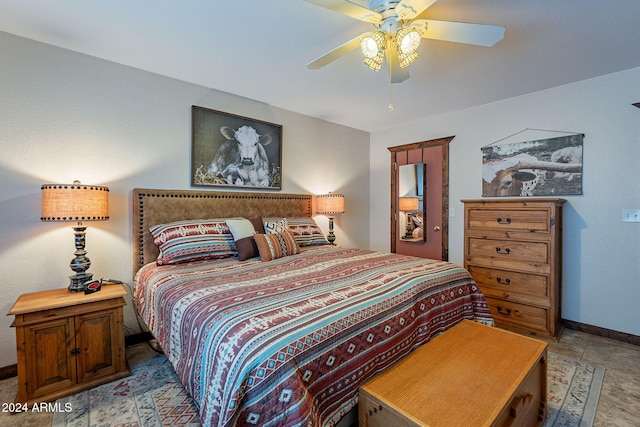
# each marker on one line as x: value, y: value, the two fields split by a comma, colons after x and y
x: 234, y: 151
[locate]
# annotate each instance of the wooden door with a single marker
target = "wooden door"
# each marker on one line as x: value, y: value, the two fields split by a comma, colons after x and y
x: 97, y: 345
x: 435, y: 155
x: 48, y: 353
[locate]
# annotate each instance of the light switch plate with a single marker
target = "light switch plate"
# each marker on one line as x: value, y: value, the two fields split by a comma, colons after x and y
x: 631, y: 215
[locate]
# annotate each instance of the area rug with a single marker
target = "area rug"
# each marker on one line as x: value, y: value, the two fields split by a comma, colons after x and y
x: 153, y: 397
x: 573, y: 391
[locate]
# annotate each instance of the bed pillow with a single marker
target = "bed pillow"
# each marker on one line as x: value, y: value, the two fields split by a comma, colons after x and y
x: 243, y: 230
x: 275, y: 225
x: 275, y: 245
x: 306, y: 232
x: 193, y: 240
x: 417, y: 219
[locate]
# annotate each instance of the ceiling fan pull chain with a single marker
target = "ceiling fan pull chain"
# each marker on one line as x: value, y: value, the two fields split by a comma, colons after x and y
x: 390, y: 104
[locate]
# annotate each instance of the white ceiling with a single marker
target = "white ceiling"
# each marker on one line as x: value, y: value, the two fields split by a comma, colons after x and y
x: 258, y: 49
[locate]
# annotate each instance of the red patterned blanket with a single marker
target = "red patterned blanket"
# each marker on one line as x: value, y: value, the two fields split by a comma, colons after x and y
x: 288, y: 342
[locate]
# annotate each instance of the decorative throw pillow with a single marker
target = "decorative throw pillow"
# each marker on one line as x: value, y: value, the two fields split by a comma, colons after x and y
x: 306, y: 232
x: 417, y: 219
x: 275, y: 225
x: 243, y: 230
x: 193, y: 240
x: 275, y: 245
x: 258, y: 225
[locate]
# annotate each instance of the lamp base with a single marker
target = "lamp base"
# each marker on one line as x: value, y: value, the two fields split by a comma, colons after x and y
x: 78, y: 281
x: 80, y: 264
x: 331, y: 238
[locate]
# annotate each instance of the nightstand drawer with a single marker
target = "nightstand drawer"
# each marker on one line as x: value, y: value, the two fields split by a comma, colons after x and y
x: 516, y: 315
x: 509, y: 284
x: 507, y: 219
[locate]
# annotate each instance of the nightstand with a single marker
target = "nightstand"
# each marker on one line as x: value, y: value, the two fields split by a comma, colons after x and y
x: 68, y: 341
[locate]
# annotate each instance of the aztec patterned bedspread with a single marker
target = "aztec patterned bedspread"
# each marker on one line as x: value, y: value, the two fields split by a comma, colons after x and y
x: 287, y: 342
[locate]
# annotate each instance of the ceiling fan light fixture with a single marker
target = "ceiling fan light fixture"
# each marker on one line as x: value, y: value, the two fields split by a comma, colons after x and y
x: 405, y: 60
x: 372, y: 47
x: 408, y: 40
x: 372, y: 44
x: 374, y: 63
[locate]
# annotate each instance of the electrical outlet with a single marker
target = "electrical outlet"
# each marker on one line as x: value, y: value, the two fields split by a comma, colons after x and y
x: 631, y: 215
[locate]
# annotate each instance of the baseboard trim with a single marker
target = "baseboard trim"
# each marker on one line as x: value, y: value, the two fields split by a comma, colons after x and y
x: 134, y: 339
x: 8, y: 371
x: 602, y: 332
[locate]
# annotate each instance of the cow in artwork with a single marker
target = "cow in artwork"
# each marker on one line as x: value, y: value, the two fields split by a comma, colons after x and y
x: 242, y: 159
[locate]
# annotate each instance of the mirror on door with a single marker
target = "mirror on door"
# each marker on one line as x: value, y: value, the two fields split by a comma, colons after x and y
x: 412, y: 180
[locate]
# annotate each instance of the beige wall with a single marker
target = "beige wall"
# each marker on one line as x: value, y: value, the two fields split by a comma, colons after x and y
x: 601, y: 253
x: 67, y: 116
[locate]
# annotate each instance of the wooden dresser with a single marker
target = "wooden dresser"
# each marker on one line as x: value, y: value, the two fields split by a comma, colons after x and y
x: 513, y: 250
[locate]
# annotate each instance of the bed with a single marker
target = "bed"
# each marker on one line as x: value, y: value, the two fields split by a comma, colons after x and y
x: 285, y: 341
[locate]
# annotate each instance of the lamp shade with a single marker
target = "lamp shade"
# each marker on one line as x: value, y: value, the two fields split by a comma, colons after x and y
x: 408, y: 204
x: 74, y: 202
x: 330, y: 204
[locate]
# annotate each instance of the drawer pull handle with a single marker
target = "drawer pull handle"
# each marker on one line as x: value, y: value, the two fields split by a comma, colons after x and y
x: 506, y: 312
x: 505, y: 282
x: 507, y: 220
x: 503, y: 252
x: 75, y: 351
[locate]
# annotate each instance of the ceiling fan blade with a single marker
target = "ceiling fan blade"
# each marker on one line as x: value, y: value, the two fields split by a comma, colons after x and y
x: 460, y: 32
x: 336, y: 53
x: 397, y: 74
x: 347, y: 8
x: 409, y: 9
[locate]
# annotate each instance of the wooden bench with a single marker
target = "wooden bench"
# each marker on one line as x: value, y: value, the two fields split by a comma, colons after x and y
x: 469, y: 376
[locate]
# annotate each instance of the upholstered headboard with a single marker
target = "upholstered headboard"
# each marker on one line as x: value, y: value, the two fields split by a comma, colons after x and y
x: 151, y: 207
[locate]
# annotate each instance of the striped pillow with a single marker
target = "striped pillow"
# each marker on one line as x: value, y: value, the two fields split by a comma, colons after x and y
x: 306, y: 232
x: 275, y: 245
x: 193, y: 240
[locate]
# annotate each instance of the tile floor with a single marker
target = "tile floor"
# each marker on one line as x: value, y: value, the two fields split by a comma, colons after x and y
x: 619, y: 401
x: 619, y: 404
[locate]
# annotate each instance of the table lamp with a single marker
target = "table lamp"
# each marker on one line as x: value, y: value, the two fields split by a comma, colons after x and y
x: 406, y: 205
x: 76, y: 202
x: 330, y: 204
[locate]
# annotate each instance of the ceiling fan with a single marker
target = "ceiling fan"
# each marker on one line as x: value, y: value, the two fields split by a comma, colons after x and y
x: 397, y: 34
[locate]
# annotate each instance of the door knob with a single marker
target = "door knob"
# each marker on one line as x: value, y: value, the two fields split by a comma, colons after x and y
x: 436, y: 228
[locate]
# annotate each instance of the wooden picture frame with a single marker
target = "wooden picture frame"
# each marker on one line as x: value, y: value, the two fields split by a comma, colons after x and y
x: 234, y: 151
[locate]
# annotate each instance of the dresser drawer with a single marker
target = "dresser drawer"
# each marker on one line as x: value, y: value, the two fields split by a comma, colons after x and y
x: 508, y: 250
x: 508, y: 219
x: 512, y: 314
x: 508, y: 284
